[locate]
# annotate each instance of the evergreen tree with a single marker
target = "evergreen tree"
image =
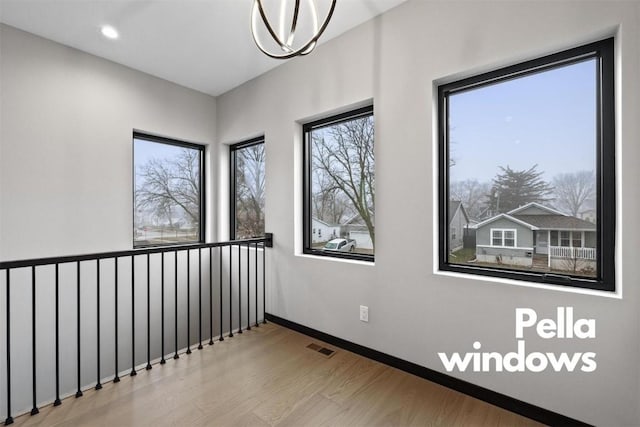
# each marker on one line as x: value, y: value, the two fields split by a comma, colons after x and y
x: 512, y: 189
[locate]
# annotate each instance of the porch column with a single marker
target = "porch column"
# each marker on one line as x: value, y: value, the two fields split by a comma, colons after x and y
x: 549, y: 249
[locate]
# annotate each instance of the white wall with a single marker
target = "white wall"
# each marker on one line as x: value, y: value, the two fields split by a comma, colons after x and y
x: 396, y: 60
x: 66, y: 141
x: 66, y: 123
x: 65, y: 159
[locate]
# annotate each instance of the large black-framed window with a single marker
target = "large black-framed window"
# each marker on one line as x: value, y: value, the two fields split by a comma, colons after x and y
x: 168, y: 198
x: 247, y: 189
x: 527, y: 170
x: 339, y: 186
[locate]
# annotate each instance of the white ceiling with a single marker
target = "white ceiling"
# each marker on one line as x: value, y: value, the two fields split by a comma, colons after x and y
x: 202, y: 44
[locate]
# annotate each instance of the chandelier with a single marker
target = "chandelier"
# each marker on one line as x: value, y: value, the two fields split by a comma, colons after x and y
x: 299, y: 37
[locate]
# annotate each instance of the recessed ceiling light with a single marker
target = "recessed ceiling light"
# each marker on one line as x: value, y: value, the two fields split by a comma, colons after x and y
x: 109, y: 32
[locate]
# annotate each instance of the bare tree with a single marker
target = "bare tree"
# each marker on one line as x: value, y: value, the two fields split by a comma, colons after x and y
x: 472, y: 194
x: 163, y: 185
x: 574, y: 190
x: 571, y: 263
x: 250, y: 187
x: 452, y: 142
x: 329, y: 203
x: 163, y: 209
x: 344, y: 152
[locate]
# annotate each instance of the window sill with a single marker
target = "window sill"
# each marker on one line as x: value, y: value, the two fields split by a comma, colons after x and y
x: 504, y: 281
x: 337, y: 259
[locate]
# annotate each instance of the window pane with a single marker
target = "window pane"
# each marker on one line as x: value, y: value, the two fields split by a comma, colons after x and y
x: 576, y: 237
x: 167, y: 192
x: 249, y: 191
x: 342, y: 184
x: 525, y: 147
x: 509, y: 238
x: 497, y: 238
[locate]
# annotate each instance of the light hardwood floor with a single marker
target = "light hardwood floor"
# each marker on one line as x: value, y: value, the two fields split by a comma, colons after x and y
x: 268, y: 377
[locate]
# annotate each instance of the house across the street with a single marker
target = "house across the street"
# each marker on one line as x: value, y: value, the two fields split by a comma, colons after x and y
x: 534, y: 232
x: 458, y: 223
x: 322, y: 232
x: 356, y: 229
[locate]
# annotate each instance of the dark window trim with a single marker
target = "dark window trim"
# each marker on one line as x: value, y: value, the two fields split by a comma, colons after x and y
x: 338, y: 118
x: 177, y: 143
x: 306, y: 182
x: 605, y: 169
x: 232, y: 179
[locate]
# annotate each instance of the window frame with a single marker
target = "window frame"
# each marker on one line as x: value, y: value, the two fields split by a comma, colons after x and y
x: 307, y: 179
x: 604, y: 52
x: 233, y: 149
x: 574, y: 238
x: 505, y: 238
x: 202, y: 211
x: 502, y: 232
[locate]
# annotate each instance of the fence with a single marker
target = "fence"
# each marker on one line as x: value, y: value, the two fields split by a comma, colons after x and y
x: 69, y: 319
x: 572, y: 253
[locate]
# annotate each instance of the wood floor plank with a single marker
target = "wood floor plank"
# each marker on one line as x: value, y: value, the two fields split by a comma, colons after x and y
x: 351, y: 378
x: 316, y: 411
x: 268, y: 377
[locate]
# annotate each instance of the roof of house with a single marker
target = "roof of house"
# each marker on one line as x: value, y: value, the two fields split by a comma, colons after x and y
x: 556, y: 222
x: 356, y: 219
x: 543, y: 208
x: 507, y: 217
x: 324, y: 223
x: 454, y: 205
x: 549, y: 220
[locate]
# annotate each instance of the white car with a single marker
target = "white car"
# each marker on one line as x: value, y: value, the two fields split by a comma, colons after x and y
x: 340, y: 245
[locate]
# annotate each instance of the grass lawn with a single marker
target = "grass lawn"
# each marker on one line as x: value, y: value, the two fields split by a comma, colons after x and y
x: 462, y: 256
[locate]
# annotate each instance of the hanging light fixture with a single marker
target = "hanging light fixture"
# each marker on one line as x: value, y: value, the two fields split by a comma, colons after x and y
x: 287, y: 38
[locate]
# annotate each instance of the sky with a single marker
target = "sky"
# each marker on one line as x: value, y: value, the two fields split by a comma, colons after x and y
x: 546, y: 118
x: 147, y: 150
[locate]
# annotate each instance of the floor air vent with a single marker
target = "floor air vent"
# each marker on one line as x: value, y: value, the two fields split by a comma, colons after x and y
x: 322, y: 350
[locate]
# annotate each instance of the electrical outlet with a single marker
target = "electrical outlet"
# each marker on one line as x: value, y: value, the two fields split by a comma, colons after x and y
x: 364, y: 313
